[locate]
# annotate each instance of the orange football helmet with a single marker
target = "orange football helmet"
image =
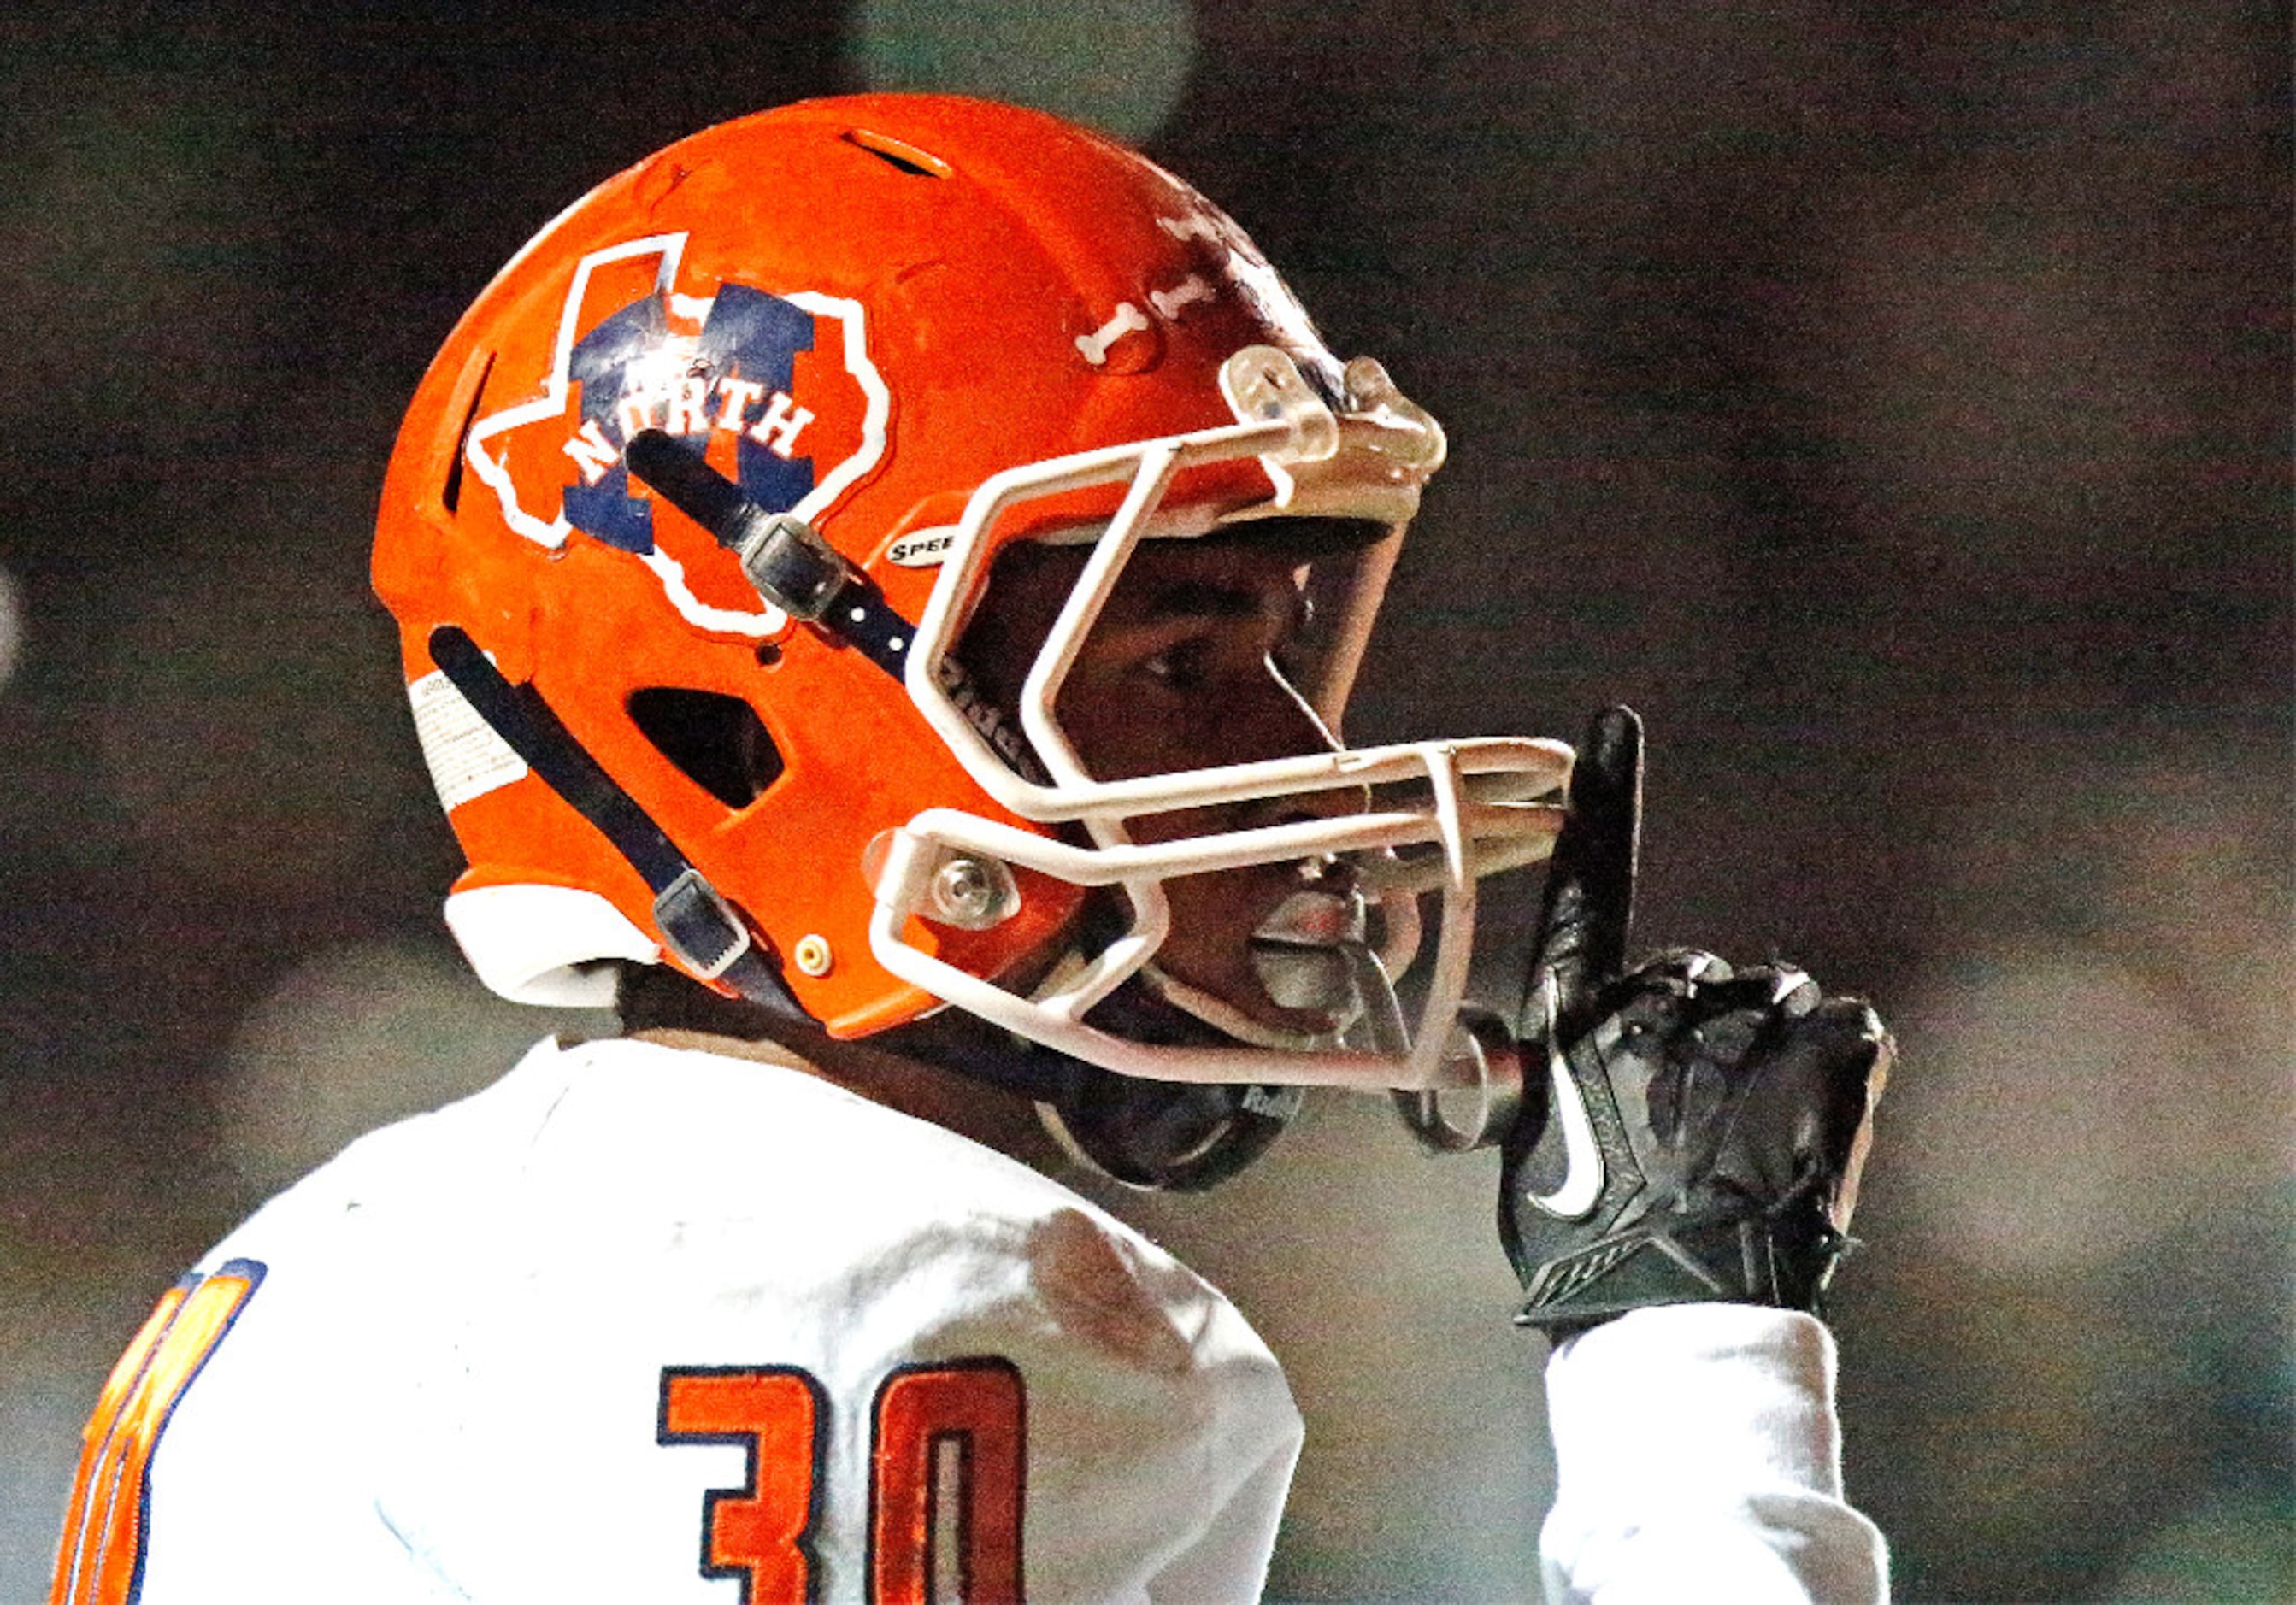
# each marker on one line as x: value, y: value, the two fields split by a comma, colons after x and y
x: 687, y: 518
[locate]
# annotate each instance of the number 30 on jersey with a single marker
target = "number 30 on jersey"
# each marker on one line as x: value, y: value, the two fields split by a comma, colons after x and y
x: 948, y: 1460
x: 948, y: 1453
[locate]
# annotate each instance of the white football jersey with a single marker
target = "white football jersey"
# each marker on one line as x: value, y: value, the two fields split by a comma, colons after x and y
x: 645, y: 1325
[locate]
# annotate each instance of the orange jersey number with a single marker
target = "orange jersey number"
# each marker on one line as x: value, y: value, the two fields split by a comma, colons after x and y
x: 101, y: 1559
x: 948, y: 1461
x: 756, y: 1532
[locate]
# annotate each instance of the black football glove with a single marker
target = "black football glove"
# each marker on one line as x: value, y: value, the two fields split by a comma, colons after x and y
x: 1701, y: 1128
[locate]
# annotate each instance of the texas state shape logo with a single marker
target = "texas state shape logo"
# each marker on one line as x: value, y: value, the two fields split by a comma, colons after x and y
x: 775, y: 389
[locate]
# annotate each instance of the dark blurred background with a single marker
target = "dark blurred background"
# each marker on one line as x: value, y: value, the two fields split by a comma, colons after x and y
x: 1892, y: 401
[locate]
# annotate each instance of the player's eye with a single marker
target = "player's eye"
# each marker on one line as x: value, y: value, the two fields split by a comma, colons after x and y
x: 1184, y: 666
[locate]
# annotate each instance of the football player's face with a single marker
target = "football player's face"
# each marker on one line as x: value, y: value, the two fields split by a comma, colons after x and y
x: 1179, y: 672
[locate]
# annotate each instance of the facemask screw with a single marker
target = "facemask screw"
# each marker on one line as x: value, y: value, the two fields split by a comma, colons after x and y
x: 973, y: 893
x: 812, y: 956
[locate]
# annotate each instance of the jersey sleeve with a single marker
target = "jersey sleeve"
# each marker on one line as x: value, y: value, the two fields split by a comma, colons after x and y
x: 1698, y: 1457
x: 1162, y: 1435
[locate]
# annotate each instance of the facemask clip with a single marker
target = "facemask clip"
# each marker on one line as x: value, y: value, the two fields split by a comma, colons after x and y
x: 1265, y: 386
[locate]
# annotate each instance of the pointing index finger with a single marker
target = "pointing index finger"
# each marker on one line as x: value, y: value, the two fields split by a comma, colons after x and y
x: 1589, y: 905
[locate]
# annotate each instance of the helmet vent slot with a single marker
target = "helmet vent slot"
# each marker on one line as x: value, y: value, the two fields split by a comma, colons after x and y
x: 717, y: 741
x: 897, y: 153
x: 451, y: 496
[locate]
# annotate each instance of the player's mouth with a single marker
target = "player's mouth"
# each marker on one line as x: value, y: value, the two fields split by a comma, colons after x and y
x: 1299, y: 951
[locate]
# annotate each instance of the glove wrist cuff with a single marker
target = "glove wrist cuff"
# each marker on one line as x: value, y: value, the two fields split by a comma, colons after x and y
x: 1784, y: 1261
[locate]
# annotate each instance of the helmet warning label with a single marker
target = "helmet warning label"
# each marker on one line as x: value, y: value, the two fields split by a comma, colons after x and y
x: 466, y: 757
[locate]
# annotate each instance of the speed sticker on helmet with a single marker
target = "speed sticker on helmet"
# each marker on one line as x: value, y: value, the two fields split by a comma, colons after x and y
x: 466, y: 757
x: 922, y: 548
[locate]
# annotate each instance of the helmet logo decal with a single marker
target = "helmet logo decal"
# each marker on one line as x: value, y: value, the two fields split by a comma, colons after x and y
x: 1169, y: 303
x: 777, y: 390
x: 1241, y: 266
x: 1227, y: 260
x: 1126, y: 319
